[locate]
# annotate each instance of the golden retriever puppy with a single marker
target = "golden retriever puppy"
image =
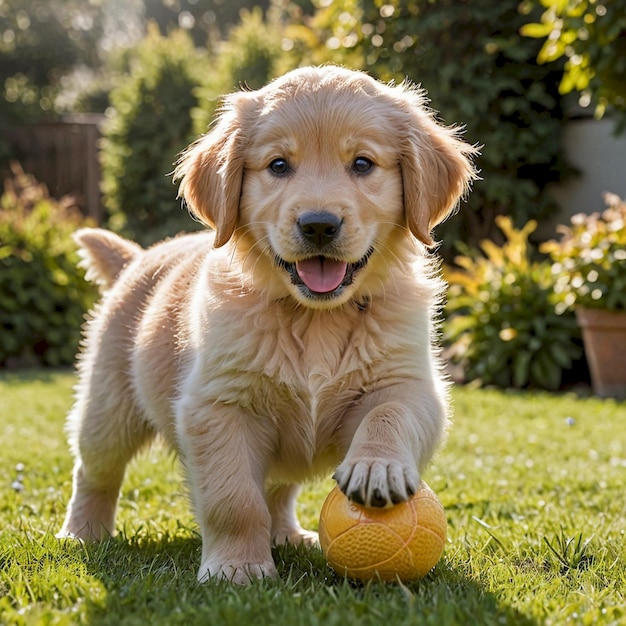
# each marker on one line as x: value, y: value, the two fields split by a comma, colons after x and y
x: 294, y: 338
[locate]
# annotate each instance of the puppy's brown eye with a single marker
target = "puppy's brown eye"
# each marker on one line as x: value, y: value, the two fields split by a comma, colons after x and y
x: 362, y: 165
x: 280, y: 167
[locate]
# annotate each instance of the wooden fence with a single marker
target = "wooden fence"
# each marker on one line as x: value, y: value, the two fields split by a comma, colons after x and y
x: 64, y: 156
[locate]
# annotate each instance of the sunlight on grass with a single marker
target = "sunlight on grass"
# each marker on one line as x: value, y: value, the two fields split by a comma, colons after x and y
x: 533, y: 486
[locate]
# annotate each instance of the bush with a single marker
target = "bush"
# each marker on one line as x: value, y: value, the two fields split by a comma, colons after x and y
x: 43, y: 294
x: 590, y: 259
x: 502, y: 326
x: 250, y: 57
x: 150, y: 124
x: 166, y: 101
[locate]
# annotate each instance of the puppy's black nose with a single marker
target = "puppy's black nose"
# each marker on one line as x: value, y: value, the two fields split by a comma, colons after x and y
x: 319, y: 227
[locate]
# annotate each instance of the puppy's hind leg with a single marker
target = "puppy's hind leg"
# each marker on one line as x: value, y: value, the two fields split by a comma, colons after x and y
x: 281, y: 500
x: 105, y: 434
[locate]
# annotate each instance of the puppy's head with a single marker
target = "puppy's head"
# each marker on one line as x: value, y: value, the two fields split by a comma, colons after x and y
x: 318, y: 176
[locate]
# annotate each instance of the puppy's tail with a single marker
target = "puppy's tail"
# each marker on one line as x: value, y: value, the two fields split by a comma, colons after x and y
x: 104, y: 254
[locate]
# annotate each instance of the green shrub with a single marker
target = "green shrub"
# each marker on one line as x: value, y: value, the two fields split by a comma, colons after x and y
x: 150, y: 124
x: 502, y: 326
x: 43, y: 294
x: 167, y: 99
x: 590, y: 259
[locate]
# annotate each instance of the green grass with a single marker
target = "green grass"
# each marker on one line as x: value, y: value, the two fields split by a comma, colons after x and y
x: 533, y: 486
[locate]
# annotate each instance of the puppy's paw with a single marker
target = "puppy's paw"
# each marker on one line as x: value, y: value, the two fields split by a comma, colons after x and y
x: 81, y: 532
x: 377, y: 483
x: 237, y: 573
x: 295, y: 536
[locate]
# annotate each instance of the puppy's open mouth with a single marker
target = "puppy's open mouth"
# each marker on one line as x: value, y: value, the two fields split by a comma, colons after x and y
x: 322, y: 276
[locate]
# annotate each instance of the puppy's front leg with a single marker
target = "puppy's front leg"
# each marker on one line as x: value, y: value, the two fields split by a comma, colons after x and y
x: 392, y: 435
x: 224, y: 457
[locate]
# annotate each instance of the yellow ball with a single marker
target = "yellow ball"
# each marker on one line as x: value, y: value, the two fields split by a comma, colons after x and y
x: 404, y: 541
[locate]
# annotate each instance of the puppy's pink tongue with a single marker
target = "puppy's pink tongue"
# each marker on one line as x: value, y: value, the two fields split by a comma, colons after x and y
x: 320, y: 274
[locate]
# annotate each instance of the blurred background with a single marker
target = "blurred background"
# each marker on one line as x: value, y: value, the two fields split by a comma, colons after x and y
x: 98, y: 98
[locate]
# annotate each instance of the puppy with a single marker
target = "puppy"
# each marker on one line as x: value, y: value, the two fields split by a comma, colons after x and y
x: 294, y: 337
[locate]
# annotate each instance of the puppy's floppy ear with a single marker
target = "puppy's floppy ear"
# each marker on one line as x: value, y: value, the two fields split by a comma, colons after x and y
x: 436, y: 168
x: 211, y: 169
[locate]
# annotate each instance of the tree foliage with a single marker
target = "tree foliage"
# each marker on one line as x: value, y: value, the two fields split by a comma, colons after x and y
x: 203, y: 19
x: 40, y: 42
x: 591, y: 36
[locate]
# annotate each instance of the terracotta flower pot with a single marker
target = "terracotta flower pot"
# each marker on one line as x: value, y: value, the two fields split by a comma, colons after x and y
x: 604, y: 337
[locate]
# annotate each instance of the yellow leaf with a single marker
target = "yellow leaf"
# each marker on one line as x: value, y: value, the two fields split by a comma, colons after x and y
x: 536, y: 30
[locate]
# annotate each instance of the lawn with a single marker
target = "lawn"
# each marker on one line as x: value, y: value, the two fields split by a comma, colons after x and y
x: 533, y: 485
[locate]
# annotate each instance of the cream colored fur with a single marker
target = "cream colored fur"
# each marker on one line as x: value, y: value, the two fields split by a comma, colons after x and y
x: 258, y: 384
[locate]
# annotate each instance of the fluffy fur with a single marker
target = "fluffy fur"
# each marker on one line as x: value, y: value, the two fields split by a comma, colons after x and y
x: 294, y: 338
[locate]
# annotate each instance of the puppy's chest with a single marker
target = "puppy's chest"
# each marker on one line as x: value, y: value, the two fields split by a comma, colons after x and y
x: 315, y: 357
x: 295, y: 379
x: 311, y: 373
x: 303, y: 389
